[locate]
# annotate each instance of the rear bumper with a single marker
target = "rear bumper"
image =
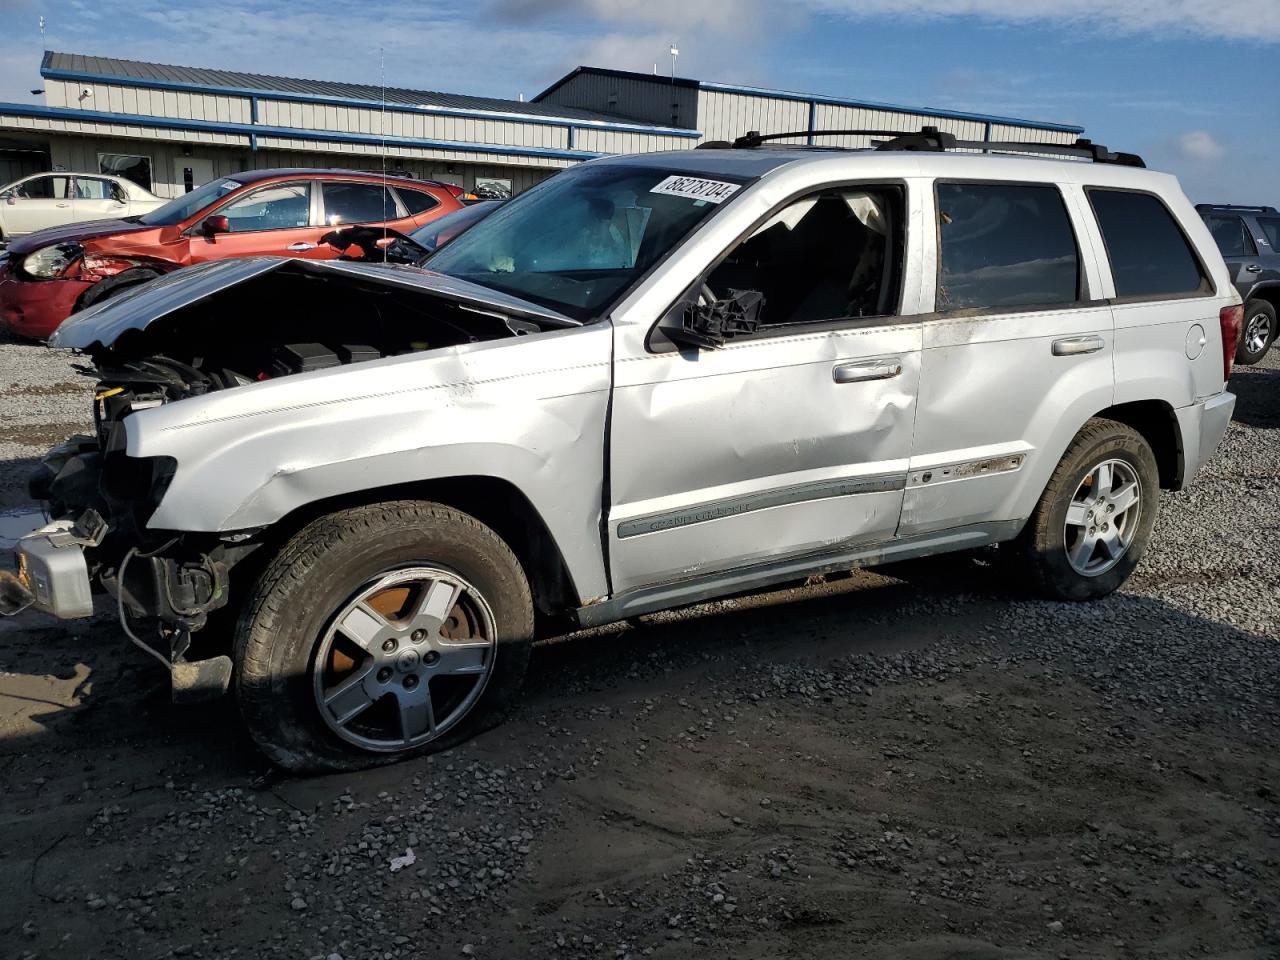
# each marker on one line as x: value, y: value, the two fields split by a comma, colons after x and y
x: 35, y: 308
x: 1202, y: 426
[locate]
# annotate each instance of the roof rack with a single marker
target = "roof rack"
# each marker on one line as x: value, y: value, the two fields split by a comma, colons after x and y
x: 1207, y: 207
x: 937, y: 141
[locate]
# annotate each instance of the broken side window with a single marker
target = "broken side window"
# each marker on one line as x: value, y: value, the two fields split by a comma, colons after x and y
x: 833, y: 255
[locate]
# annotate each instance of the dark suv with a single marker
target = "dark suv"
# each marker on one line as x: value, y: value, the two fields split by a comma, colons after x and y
x: 1249, y: 238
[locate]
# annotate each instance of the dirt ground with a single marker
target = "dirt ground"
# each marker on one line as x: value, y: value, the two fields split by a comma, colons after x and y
x: 916, y: 762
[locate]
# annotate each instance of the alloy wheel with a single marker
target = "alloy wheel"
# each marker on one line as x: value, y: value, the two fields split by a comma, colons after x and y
x: 1102, y: 517
x: 1257, y: 333
x: 405, y: 659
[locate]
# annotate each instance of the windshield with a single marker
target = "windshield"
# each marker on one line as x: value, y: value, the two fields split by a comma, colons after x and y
x: 577, y: 241
x: 434, y: 235
x: 189, y: 204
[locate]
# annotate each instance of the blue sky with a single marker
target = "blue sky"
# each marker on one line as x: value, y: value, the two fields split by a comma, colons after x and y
x: 1187, y: 83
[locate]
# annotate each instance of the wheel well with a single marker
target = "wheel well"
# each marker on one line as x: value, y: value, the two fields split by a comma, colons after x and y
x: 1269, y: 294
x: 126, y: 278
x: 1158, y: 424
x: 498, y: 504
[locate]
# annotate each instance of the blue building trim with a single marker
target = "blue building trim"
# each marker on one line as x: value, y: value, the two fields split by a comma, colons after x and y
x: 888, y: 107
x: 253, y: 131
x: 285, y: 96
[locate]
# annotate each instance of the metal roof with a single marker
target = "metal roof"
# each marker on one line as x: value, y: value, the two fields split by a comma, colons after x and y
x: 805, y: 98
x: 77, y: 66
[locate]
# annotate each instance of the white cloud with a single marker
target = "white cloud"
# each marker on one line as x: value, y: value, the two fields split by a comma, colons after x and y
x: 1257, y: 20
x: 1199, y: 145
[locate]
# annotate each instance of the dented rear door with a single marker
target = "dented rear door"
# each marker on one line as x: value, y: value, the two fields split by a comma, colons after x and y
x: 1017, y: 354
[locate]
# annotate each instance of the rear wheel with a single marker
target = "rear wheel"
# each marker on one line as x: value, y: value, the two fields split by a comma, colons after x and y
x: 1257, y: 333
x: 1095, y: 517
x: 380, y: 633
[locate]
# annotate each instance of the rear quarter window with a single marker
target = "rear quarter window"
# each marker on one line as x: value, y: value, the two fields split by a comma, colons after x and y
x: 1151, y: 258
x: 416, y: 201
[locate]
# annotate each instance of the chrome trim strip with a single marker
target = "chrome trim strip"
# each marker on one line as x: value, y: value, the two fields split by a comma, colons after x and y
x: 751, y: 502
x: 965, y: 470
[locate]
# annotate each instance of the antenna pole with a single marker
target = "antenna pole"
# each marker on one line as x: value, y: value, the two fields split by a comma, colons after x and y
x: 382, y: 77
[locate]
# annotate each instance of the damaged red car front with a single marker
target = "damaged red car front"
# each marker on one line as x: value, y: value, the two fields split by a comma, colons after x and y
x: 50, y: 274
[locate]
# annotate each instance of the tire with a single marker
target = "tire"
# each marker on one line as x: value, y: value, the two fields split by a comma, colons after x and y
x: 1257, y: 333
x: 1049, y: 543
x: 106, y: 289
x: 295, y: 645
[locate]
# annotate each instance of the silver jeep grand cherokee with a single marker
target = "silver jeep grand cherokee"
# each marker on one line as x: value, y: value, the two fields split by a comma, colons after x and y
x: 356, y: 491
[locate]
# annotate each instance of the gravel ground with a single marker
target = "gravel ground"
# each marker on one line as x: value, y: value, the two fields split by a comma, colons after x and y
x: 915, y: 762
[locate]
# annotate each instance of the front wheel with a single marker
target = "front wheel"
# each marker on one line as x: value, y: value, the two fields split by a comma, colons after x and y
x: 380, y: 633
x: 1095, y: 516
x: 1257, y: 333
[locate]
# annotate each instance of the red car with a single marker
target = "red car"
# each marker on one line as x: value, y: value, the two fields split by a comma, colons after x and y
x: 48, y: 275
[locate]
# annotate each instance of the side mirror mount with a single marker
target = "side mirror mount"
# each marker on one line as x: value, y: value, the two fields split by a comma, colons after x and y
x: 211, y: 226
x: 11, y: 198
x: 710, y: 325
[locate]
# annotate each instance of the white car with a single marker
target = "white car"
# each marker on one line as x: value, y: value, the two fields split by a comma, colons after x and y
x: 53, y: 199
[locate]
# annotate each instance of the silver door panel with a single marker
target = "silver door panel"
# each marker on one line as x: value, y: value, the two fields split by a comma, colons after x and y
x: 738, y: 437
x: 993, y: 385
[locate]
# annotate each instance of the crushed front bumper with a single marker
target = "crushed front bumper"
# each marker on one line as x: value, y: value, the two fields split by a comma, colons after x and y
x: 53, y: 575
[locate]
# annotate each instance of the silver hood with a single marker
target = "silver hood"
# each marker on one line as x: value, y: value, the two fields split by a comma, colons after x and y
x: 139, y: 307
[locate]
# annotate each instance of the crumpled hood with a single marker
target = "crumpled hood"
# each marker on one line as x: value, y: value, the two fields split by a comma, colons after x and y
x: 79, y: 232
x: 139, y: 307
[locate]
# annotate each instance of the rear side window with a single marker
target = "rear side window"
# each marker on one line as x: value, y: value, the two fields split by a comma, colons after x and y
x: 1230, y: 236
x: 358, y: 203
x: 1150, y: 255
x: 417, y: 201
x: 1004, y: 245
x: 1271, y: 230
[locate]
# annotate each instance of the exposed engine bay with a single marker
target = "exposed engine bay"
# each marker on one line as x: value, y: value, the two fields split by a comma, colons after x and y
x: 294, y: 320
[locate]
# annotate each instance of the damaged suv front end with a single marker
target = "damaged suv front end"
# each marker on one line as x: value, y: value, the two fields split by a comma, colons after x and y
x: 166, y: 564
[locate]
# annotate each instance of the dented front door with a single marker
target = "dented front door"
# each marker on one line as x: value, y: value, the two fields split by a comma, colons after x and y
x: 763, y: 449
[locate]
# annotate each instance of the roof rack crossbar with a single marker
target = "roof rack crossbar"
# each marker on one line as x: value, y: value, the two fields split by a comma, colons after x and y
x: 934, y: 140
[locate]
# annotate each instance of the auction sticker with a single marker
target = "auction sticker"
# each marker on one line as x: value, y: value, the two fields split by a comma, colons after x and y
x: 712, y: 191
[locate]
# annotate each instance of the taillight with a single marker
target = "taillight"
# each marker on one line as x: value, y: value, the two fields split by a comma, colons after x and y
x: 1231, y: 319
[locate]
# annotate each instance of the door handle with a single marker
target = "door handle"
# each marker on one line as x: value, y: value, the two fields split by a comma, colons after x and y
x: 300, y: 247
x: 1254, y: 268
x: 864, y: 370
x: 62, y: 206
x: 1075, y: 346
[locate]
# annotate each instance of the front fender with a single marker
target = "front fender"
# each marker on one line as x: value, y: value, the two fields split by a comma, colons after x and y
x: 529, y: 411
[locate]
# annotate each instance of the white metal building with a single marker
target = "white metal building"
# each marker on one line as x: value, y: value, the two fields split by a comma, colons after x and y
x: 170, y: 127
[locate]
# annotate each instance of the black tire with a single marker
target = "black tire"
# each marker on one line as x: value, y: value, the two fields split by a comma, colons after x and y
x: 1043, y: 544
x: 106, y: 289
x: 304, y: 588
x: 1258, y: 315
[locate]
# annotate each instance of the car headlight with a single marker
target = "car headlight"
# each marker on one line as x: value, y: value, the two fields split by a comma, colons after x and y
x: 50, y: 262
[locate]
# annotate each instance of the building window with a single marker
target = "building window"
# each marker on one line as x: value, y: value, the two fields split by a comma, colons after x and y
x: 132, y: 167
x: 493, y: 188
